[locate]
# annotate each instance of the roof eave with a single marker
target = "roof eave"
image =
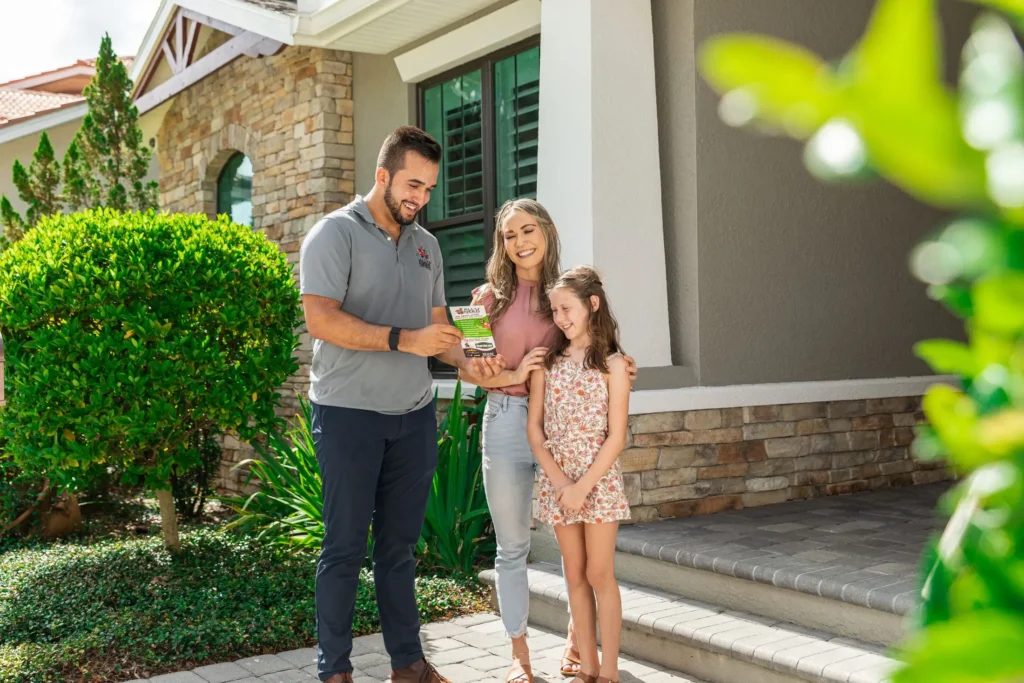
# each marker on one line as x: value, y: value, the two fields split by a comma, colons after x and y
x: 42, y: 121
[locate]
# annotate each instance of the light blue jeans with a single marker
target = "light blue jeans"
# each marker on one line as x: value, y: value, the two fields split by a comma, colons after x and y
x: 509, y: 468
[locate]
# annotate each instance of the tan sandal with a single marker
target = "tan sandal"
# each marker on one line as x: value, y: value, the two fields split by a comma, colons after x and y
x: 602, y: 679
x: 584, y: 678
x: 521, y: 671
x: 570, y: 664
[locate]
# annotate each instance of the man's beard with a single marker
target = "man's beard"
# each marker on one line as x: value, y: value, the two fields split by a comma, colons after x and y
x: 395, y: 207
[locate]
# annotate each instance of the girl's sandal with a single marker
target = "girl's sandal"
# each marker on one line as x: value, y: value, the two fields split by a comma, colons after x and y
x: 602, y: 679
x: 570, y: 665
x: 521, y: 671
x: 584, y: 678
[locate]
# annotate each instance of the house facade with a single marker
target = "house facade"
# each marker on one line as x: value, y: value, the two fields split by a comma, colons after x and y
x: 772, y: 316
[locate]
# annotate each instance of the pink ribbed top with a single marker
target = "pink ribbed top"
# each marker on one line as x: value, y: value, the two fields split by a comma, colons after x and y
x: 520, y: 329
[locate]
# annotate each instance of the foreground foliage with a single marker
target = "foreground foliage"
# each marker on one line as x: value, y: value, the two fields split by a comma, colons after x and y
x: 122, y: 609
x: 885, y: 110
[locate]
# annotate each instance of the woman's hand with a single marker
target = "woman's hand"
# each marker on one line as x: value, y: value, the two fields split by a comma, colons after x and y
x: 572, y: 497
x: 534, y: 360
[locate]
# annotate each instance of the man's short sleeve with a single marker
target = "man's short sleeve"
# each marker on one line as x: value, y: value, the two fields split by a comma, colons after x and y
x: 326, y: 259
x: 439, y: 299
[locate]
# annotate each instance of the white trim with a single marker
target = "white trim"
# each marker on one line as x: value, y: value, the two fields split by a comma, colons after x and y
x: 500, y: 28
x: 340, y: 17
x: 744, y: 395
x: 37, y: 124
x: 245, y: 15
x: 445, y: 389
x: 241, y: 14
x: 151, y: 41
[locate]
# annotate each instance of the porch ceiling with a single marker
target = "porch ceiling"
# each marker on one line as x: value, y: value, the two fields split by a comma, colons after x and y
x: 381, y: 26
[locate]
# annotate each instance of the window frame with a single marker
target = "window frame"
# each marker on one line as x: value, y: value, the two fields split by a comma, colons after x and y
x: 486, y: 65
x: 222, y: 176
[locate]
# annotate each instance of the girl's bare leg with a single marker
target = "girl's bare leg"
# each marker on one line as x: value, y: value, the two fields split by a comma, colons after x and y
x: 570, y: 656
x: 581, y: 596
x: 600, y: 554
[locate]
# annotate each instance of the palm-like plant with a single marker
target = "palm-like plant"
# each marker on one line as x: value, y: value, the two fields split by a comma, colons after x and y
x: 287, y: 507
x: 457, y: 523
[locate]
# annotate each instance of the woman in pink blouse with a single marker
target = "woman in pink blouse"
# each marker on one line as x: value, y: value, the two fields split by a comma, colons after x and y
x: 524, y: 262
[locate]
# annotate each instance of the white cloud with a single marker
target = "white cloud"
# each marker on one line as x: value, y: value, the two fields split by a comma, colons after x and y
x: 38, y: 35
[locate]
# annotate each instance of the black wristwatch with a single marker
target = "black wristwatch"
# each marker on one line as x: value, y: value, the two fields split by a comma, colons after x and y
x: 393, y: 338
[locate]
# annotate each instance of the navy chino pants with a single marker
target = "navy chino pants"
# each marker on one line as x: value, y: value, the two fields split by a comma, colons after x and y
x: 375, y: 468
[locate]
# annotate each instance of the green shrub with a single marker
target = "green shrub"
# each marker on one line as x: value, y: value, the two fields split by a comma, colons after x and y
x: 117, y: 610
x: 128, y: 333
x: 18, y: 494
x: 194, y: 486
x: 286, y: 509
x: 888, y: 111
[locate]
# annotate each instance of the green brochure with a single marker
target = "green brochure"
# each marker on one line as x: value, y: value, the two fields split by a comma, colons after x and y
x: 477, y: 340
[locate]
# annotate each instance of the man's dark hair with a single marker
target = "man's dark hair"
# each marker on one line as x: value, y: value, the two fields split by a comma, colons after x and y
x: 407, y: 139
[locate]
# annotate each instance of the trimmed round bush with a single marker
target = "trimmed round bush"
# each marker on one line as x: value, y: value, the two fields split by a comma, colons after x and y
x: 128, y: 333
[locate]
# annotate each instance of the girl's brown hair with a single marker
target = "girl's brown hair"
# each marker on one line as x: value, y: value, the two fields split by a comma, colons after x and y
x: 584, y: 282
x: 502, y: 281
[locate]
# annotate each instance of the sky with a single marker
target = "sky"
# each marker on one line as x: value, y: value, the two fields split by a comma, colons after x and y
x: 39, y: 35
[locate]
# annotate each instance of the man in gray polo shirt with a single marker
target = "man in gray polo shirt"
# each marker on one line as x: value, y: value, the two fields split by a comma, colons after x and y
x: 373, y: 293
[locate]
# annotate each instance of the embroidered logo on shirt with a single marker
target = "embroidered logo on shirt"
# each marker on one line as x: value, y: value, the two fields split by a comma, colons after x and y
x: 424, y: 257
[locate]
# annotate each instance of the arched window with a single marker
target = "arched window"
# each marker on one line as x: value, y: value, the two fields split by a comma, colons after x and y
x: 234, y: 190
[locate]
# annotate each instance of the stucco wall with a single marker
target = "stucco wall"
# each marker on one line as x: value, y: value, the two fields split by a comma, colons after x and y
x: 795, y: 280
x: 383, y: 102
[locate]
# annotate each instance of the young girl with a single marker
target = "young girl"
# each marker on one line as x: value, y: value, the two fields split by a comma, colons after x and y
x: 578, y: 414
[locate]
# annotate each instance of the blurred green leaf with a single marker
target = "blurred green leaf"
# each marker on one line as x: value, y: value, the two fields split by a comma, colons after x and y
x: 999, y: 304
x: 947, y: 357
x: 772, y: 80
x: 954, y: 418
x: 985, y: 647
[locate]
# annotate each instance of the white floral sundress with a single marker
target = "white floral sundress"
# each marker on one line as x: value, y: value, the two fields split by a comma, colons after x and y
x: 576, y: 425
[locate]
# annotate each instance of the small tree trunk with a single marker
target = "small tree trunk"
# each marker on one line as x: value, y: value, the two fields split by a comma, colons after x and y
x: 168, y: 520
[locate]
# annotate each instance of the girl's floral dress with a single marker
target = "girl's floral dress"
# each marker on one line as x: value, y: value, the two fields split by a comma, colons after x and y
x: 576, y: 425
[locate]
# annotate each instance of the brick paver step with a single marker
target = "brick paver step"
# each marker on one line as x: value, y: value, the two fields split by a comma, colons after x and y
x: 714, y: 643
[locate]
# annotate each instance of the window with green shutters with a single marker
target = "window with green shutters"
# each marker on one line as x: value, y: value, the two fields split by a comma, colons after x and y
x: 234, y: 190
x: 485, y: 116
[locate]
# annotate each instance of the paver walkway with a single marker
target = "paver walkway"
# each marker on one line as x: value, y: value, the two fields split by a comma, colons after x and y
x: 863, y: 549
x: 467, y: 650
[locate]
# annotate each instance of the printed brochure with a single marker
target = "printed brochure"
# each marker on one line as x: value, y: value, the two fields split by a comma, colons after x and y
x: 477, y: 340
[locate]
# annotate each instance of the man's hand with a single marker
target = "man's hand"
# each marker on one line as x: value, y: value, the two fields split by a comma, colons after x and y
x: 430, y: 340
x: 534, y: 360
x: 572, y: 497
x: 483, y: 369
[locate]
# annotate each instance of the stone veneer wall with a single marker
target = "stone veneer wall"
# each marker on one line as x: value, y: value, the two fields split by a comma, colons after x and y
x: 697, y: 462
x: 291, y: 115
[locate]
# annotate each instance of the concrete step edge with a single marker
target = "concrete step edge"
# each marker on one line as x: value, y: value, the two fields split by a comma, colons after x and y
x: 784, y: 648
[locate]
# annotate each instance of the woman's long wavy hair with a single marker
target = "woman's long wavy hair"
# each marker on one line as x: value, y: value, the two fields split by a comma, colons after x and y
x: 584, y: 282
x: 502, y: 280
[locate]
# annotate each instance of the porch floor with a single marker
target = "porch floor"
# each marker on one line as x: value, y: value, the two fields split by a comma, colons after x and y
x: 862, y: 548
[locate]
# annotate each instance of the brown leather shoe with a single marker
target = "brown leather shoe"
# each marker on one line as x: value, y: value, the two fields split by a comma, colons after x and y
x: 340, y: 678
x: 420, y: 672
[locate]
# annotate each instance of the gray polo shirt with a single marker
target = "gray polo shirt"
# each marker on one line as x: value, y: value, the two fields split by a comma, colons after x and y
x: 349, y: 258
